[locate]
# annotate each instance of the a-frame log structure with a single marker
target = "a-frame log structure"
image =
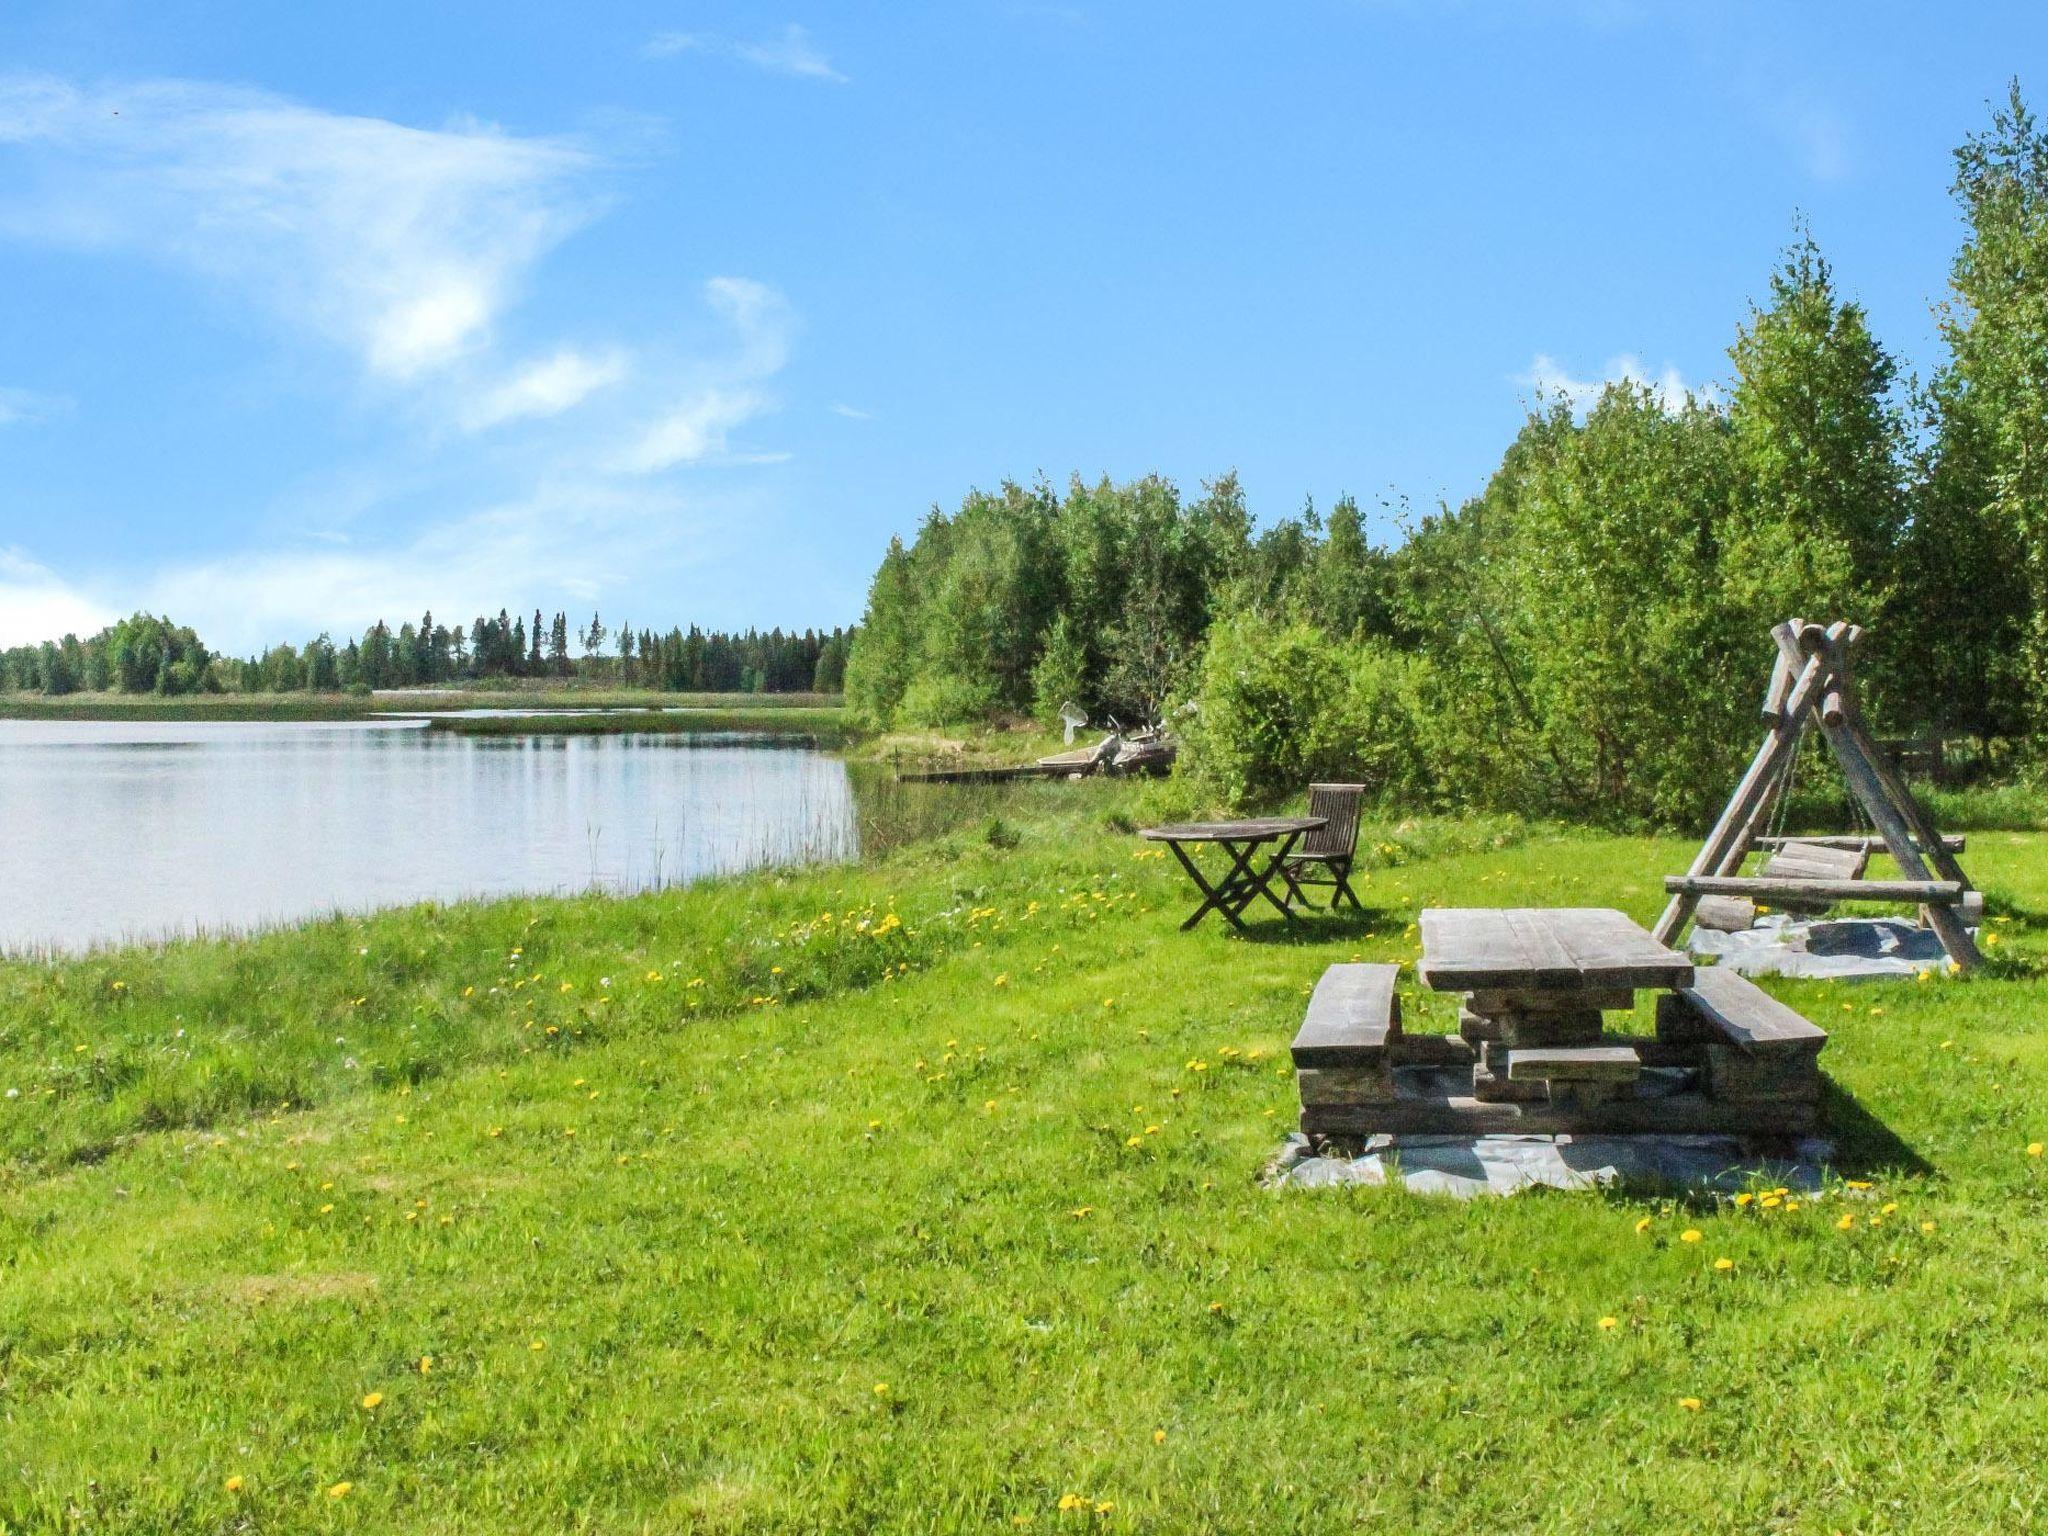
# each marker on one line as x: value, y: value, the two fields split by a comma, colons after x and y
x: 1812, y: 684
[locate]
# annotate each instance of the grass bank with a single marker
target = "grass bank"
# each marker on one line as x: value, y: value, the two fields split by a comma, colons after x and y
x: 922, y: 1196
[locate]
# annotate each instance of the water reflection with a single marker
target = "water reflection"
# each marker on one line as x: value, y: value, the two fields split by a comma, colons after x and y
x: 122, y: 830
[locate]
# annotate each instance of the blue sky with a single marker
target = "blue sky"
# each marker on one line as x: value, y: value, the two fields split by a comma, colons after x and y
x: 312, y: 313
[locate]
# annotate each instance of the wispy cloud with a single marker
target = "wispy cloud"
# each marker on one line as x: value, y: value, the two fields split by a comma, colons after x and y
x: 728, y: 393
x: 406, y: 247
x: 569, y: 542
x: 546, y: 388
x: 1547, y: 378
x: 36, y: 605
x: 851, y: 412
x: 400, y: 243
x: 23, y: 407
x: 790, y: 52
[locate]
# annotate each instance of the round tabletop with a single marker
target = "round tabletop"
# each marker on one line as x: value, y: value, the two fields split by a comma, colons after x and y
x: 1257, y: 830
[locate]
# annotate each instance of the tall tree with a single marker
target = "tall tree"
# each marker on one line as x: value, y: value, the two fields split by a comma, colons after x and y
x: 1819, y: 507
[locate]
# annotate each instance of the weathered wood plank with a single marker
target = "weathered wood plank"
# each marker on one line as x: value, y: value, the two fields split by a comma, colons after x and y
x: 1815, y: 861
x: 1604, y: 999
x: 1343, y: 1085
x: 1351, y: 1015
x: 1933, y: 892
x: 1679, y: 1114
x: 1584, y: 1064
x: 1727, y: 914
x: 1723, y: 1007
x: 1952, y: 842
x: 1471, y: 949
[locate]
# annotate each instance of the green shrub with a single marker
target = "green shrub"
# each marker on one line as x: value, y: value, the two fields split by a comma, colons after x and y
x: 1279, y: 708
x: 939, y: 700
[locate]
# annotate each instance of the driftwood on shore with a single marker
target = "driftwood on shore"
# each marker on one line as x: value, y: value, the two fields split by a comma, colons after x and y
x: 1149, y: 751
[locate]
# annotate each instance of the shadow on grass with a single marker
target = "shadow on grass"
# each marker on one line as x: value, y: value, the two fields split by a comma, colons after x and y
x: 1863, y: 1143
x: 1321, y: 926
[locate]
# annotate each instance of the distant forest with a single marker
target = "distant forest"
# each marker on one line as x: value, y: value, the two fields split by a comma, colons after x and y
x: 146, y: 654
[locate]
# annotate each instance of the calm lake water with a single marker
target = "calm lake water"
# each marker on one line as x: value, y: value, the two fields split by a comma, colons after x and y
x: 138, y: 830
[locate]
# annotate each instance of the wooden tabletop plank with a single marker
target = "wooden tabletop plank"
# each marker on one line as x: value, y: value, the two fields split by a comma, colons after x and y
x: 1252, y: 830
x: 1543, y: 949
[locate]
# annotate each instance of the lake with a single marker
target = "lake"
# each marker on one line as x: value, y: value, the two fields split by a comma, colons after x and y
x: 116, y: 831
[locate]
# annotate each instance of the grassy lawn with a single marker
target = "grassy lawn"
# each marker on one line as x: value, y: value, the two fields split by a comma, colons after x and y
x: 923, y: 1196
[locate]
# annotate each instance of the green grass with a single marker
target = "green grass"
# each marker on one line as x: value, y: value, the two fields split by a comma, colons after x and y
x: 928, y: 1225
x: 215, y: 706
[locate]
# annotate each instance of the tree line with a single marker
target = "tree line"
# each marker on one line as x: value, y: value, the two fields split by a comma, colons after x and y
x: 1587, y: 636
x: 146, y: 654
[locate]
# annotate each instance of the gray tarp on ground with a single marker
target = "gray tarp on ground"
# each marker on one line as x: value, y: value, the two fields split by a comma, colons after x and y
x: 1465, y: 1166
x: 1847, y: 948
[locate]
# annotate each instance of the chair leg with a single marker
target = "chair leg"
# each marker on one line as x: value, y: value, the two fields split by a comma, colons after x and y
x: 1342, y: 876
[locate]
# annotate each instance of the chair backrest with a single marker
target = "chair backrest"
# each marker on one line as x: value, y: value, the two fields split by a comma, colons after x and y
x: 1338, y: 805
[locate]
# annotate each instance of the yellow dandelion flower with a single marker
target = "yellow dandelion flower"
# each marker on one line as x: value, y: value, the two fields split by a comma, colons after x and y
x: 339, y: 1490
x: 1744, y: 1198
x: 1643, y: 1225
x: 881, y: 1389
x: 1846, y: 1222
x: 538, y: 1345
x: 1888, y: 1207
x: 1159, y: 1437
x: 372, y: 1399
x: 1608, y: 1323
x: 234, y: 1484
x: 2033, y: 1149
x: 426, y: 1364
x: 326, y: 1209
x: 1689, y: 1404
x: 1724, y: 1265
x: 1134, y: 1141
x: 1926, y: 1226
x: 1689, y: 1235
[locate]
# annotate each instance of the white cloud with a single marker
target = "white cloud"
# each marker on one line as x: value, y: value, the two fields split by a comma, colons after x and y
x: 546, y: 388
x: 791, y: 52
x: 402, y: 244
x: 697, y: 427
x: 568, y: 542
x: 851, y: 412
x: 24, y: 407
x: 35, y: 605
x: 1547, y: 377
x: 694, y: 430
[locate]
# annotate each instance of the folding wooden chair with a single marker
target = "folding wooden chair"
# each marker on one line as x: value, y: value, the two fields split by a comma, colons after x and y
x: 1329, y: 848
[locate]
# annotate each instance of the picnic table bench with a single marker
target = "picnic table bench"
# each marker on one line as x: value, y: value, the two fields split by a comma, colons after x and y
x: 1532, y: 1052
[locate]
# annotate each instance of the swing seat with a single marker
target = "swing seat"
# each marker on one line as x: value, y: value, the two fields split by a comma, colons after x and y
x: 1813, y: 861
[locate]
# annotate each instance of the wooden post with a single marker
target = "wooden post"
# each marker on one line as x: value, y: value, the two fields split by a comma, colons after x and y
x: 1737, y: 825
x: 1869, y: 785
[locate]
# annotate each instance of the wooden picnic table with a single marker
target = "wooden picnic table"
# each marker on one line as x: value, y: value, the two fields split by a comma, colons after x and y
x: 1538, y: 982
x: 1543, y: 949
x: 1242, y: 883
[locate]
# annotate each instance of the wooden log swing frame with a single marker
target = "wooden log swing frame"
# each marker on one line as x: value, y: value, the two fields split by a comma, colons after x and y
x: 1812, y: 684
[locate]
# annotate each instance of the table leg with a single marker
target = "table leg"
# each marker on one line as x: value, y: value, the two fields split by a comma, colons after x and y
x: 1261, y: 883
x: 1214, y: 897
